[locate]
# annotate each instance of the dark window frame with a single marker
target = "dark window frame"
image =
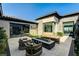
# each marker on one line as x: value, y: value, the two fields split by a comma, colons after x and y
x: 48, y: 25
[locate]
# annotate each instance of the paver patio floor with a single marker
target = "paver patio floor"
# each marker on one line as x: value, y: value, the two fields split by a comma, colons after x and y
x: 61, y: 49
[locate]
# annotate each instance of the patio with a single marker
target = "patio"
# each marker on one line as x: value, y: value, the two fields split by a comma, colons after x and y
x: 61, y: 49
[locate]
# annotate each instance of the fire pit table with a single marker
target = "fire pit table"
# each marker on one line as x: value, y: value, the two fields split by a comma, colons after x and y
x: 45, y: 42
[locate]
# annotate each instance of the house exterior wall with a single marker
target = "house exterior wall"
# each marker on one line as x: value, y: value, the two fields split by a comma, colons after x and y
x: 33, y: 29
x: 44, y: 20
x: 38, y: 29
x: 66, y: 19
x: 6, y: 26
x: 58, y: 25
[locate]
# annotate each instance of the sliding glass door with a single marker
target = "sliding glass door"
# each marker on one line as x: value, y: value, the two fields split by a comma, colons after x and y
x: 18, y: 29
x: 68, y: 28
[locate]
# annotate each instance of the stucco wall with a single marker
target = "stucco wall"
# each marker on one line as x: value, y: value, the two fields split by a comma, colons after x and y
x: 33, y: 29
x: 44, y: 20
x: 56, y: 25
x: 66, y: 19
x: 6, y: 26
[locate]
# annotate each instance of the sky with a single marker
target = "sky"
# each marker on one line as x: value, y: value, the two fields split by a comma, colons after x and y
x: 31, y: 11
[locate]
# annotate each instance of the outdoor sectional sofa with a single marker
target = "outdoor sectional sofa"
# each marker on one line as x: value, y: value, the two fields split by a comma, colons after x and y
x: 34, y: 50
x: 22, y: 43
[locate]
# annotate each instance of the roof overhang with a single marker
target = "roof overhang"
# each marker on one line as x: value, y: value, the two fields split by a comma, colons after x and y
x: 15, y: 19
x: 58, y: 16
x: 49, y: 15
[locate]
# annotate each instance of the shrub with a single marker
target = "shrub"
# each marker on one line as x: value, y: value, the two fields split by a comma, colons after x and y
x: 60, y: 33
x: 34, y: 35
x: 76, y: 41
x: 3, y: 40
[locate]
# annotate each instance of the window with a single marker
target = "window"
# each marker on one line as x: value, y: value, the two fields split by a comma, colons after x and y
x: 48, y: 27
x: 68, y: 27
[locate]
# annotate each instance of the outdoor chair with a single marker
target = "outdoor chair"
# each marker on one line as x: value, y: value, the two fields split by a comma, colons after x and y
x: 34, y: 50
x: 21, y: 43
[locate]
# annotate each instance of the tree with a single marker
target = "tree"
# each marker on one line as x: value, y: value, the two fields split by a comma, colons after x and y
x: 3, y: 40
x: 77, y: 41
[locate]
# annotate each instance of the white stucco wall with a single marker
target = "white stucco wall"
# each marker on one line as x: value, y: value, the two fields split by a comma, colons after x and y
x: 6, y: 26
x: 56, y: 25
x: 33, y: 29
x: 40, y: 27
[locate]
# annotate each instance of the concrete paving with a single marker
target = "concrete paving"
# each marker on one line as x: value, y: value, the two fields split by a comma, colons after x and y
x: 61, y: 49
